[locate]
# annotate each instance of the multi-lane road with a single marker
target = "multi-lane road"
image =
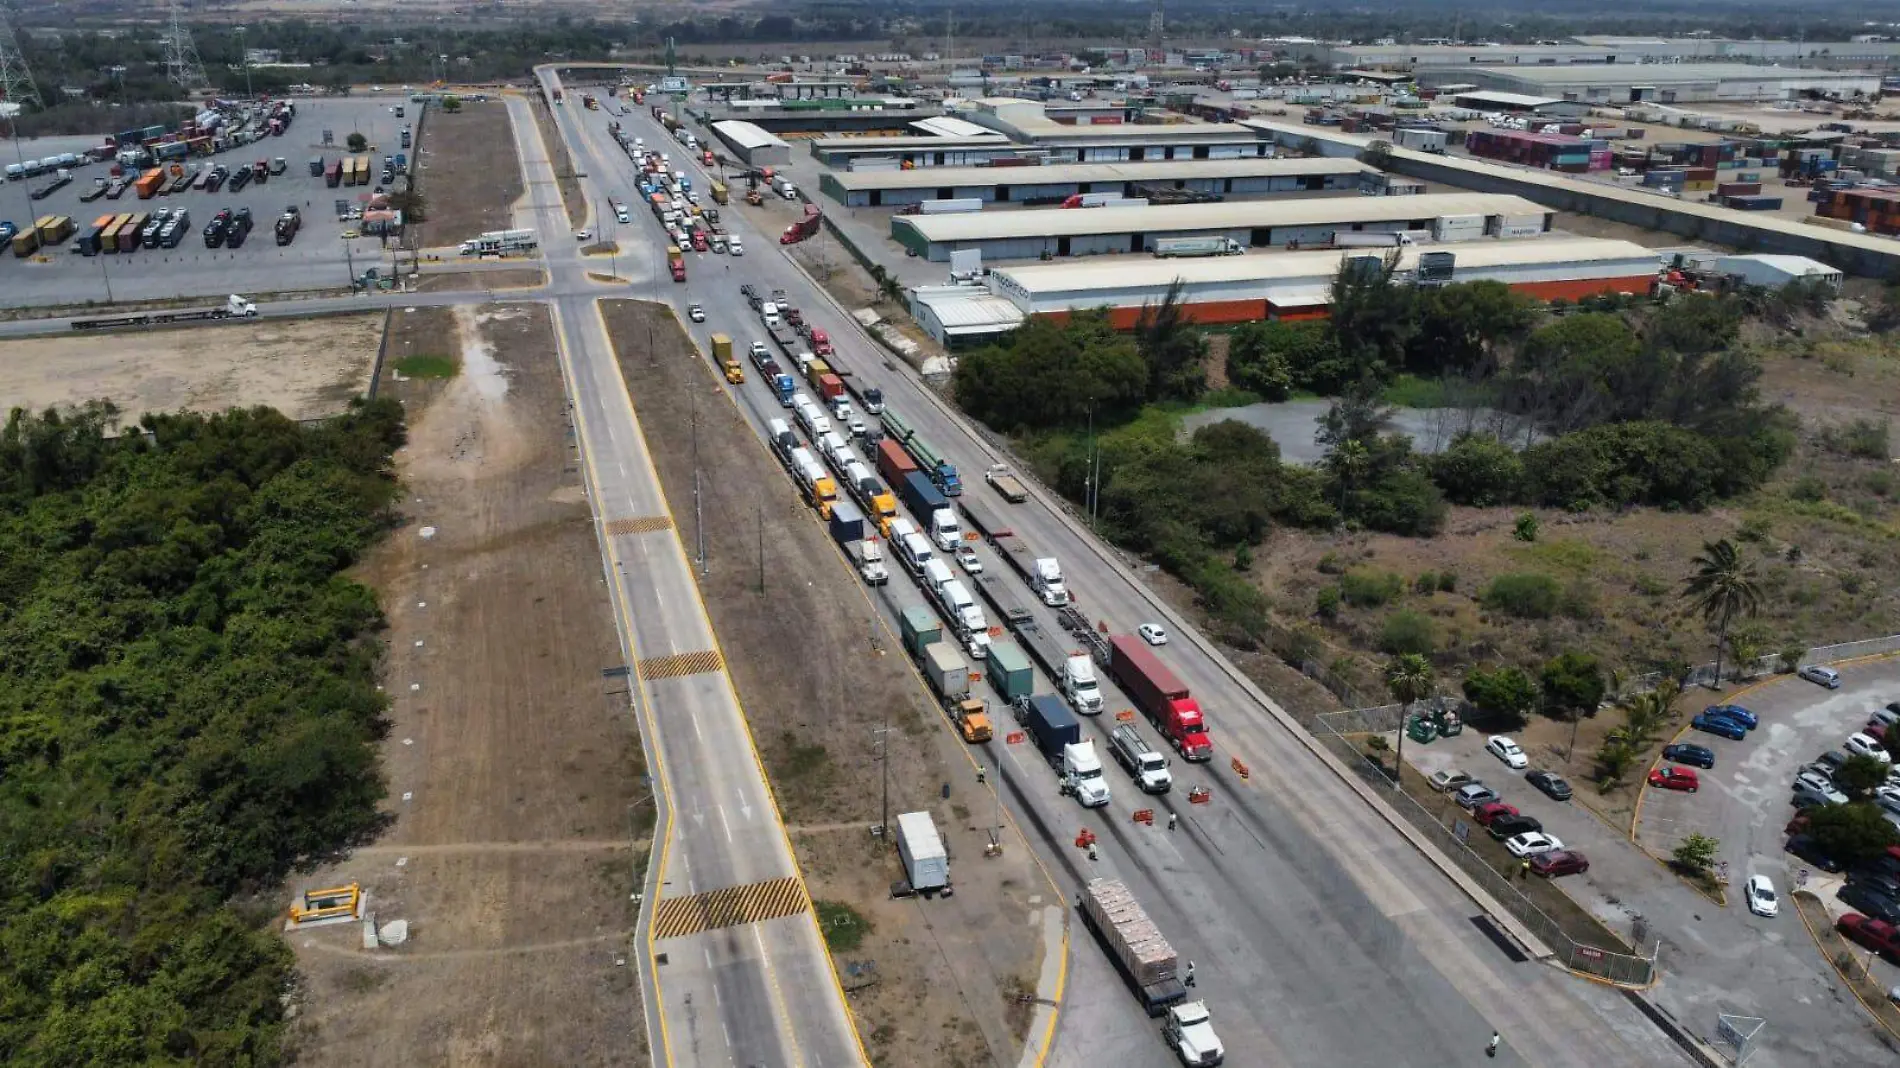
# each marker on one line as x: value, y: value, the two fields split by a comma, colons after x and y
x: 1321, y: 935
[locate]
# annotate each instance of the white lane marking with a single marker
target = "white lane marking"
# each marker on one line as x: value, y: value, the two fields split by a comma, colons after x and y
x: 744, y: 808
x: 700, y: 737
x: 721, y: 810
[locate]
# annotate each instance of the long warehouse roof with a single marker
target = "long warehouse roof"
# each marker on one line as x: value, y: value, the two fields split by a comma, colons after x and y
x: 912, y: 142
x: 1655, y: 73
x: 744, y: 134
x: 1065, y: 173
x: 1235, y: 215
x: 1267, y: 267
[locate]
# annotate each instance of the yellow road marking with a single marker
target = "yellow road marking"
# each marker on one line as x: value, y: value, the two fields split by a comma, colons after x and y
x: 681, y: 664
x: 753, y: 903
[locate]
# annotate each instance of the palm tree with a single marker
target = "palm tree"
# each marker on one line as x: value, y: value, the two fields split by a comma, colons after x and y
x: 1410, y: 679
x: 1722, y: 587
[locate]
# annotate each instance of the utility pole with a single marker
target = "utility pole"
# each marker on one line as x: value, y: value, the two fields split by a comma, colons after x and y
x: 759, y: 511
x: 699, y: 517
x: 884, y: 757
x: 17, y: 88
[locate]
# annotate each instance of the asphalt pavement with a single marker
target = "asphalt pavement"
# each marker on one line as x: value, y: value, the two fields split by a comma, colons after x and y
x: 1321, y: 935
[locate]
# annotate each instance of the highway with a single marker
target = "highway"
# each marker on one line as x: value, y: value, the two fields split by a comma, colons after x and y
x: 1321, y: 935
x: 751, y: 993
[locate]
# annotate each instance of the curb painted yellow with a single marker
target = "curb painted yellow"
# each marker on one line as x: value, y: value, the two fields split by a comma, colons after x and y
x: 1845, y: 981
x: 727, y: 390
x: 811, y: 911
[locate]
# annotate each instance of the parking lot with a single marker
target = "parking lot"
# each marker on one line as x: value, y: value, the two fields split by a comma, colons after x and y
x: 316, y: 258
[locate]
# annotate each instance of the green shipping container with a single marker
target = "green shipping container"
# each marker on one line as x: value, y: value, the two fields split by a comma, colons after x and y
x: 1009, y: 670
x: 919, y: 629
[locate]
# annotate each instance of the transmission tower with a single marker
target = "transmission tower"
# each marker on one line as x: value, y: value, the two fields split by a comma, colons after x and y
x: 1154, y: 28
x: 182, y: 65
x: 16, y: 81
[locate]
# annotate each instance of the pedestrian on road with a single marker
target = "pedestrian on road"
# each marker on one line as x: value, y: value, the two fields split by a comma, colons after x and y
x: 1190, y: 974
x: 1172, y: 820
x: 1491, y: 1049
x: 1524, y: 870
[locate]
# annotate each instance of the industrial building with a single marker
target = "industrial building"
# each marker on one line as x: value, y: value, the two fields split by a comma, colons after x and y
x: 1027, y: 122
x: 1276, y: 285
x: 1041, y: 233
x: 1621, y: 51
x: 1657, y: 83
x: 1050, y: 184
x: 893, y: 153
x: 751, y: 144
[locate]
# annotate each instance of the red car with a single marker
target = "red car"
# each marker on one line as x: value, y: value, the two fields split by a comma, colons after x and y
x: 1874, y: 934
x: 1674, y: 778
x: 1560, y: 862
x: 1492, y: 810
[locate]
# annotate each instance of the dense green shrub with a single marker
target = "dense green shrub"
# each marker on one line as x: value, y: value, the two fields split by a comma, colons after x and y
x: 1406, y: 631
x: 1526, y: 595
x: 1478, y: 470
x: 1370, y: 589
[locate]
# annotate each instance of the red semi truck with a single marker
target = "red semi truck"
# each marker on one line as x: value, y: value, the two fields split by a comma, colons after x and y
x: 1161, y: 697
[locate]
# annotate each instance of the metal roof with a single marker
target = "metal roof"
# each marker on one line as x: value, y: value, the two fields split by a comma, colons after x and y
x: 1658, y: 73
x: 1058, y: 174
x: 971, y: 311
x: 1235, y: 215
x: 1514, y: 100
x: 745, y: 134
x: 1266, y: 268
x: 899, y: 144
x: 950, y: 126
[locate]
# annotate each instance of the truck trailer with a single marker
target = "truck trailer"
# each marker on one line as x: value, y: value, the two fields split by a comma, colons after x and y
x: 926, y: 862
x: 1145, y: 959
x: 1160, y: 696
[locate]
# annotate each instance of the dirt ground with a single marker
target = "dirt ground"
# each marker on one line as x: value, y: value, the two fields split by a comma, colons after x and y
x: 470, y: 173
x: 512, y: 761
x: 564, y: 178
x: 940, y: 973
x: 450, y: 280
x: 305, y: 368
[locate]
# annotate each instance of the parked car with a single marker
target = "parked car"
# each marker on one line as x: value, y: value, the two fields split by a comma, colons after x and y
x: 1674, y: 778
x: 1447, y: 781
x: 1863, y: 745
x: 1813, y: 779
x: 1533, y: 843
x: 1492, y: 810
x: 1821, y: 676
x: 1473, y: 794
x: 1830, y: 762
x: 1560, y: 862
x: 1760, y: 895
x: 1876, y: 935
x: 1887, y: 716
x: 1700, y: 756
x: 1866, y: 899
x: 1551, y: 783
x: 1807, y: 795
x: 1502, y: 747
x: 1513, y: 826
x: 1719, y: 725
x: 1735, y: 712
x: 1806, y: 848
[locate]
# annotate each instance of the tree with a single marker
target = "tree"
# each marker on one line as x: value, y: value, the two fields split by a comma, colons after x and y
x: 1050, y: 375
x: 1410, y: 679
x: 1460, y: 325
x: 1273, y: 357
x: 1579, y: 371
x: 451, y: 103
x: 1722, y: 587
x: 1644, y: 716
x: 356, y: 142
x: 1507, y: 694
x: 1858, y: 776
x: 1573, y: 686
x: 1852, y: 833
x: 1372, y: 318
x: 413, y: 205
x: 1176, y: 351
x: 1478, y: 470
x: 1695, y: 854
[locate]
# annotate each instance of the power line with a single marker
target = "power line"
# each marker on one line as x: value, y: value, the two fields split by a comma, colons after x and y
x: 16, y: 81
x: 182, y: 65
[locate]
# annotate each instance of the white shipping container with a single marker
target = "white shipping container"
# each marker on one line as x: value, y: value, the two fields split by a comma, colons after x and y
x: 926, y: 862
x: 1521, y: 231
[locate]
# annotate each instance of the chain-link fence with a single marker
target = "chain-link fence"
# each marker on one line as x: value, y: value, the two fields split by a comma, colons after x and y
x: 1605, y: 957
x: 1774, y: 663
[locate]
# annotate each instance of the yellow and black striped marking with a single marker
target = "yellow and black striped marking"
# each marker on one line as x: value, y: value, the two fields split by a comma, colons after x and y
x: 682, y: 916
x: 638, y: 524
x: 680, y: 664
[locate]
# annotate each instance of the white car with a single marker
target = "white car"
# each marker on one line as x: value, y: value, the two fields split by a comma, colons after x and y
x: 1868, y: 746
x: 1760, y: 894
x: 1821, y: 676
x: 583, y: 235
x: 967, y: 560
x: 1152, y: 633
x: 1502, y: 747
x: 1814, y: 779
x: 1532, y: 843
x: 735, y: 246
x: 696, y: 313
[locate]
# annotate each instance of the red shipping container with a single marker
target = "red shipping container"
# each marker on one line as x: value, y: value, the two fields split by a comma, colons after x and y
x: 830, y: 386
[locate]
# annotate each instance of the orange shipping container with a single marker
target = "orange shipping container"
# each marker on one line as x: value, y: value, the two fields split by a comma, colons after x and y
x: 148, y: 183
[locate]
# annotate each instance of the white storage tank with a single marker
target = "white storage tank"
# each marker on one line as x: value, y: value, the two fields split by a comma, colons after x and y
x: 926, y: 862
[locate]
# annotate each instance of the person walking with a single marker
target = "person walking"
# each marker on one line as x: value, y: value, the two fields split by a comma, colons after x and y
x: 1491, y: 1048
x: 1172, y: 820
x: 1189, y: 981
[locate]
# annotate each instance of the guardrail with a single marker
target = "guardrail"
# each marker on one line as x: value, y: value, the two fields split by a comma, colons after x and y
x: 1773, y: 664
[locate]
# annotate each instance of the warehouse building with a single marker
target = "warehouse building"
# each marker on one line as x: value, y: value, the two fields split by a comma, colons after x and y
x: 1051, y: 232
x: 1596, y: 50
x: 751, y: 144
x: 1296, y: 285
x: 1027, y: 122
x: 904, y: 153
x: 1664, y: 83
x: 1039, y: 185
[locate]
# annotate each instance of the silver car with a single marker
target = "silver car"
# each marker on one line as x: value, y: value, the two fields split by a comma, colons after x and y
x: 1821, y: 676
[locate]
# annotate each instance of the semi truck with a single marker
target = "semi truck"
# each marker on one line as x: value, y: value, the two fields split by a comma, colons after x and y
x: 918, y: 628
x: 1005, y: 483
x: 1043, y: 574
x: 1160, y: 696
x: 676, y: 263
x: 234, y: 307
x: 949, y: 676
x: 931, y: 510
x: 1009, y: 672
x: 868, y: 557
x: 940, y: 470
x: 880, y: 506
x: 818, y: 488
x: 804, y: 228
x: 926, y: 862
x: 893, y: 462
x: 1143, y: 763
x: 1181, y: 247
x: 1145, y: 959
x: 1081, y: 769
x: 1072, y: 670
x: 1190, y: 1030
x: 501, y: 242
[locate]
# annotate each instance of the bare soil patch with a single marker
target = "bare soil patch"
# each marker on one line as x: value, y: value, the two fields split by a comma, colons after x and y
x: 937, y: 990
x: 305, y: 368
x: 565, y: 179
x: 512, y: 763
x: 524, y: 278
x: 469, y: 171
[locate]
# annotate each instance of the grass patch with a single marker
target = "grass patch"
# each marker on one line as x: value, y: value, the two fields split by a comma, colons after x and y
x: 844, y: 926
x: 423, y: 365
x: 1526, y: 596
x: 802, y: 760
x: 1563, y: 554
x: 1411, y: 391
